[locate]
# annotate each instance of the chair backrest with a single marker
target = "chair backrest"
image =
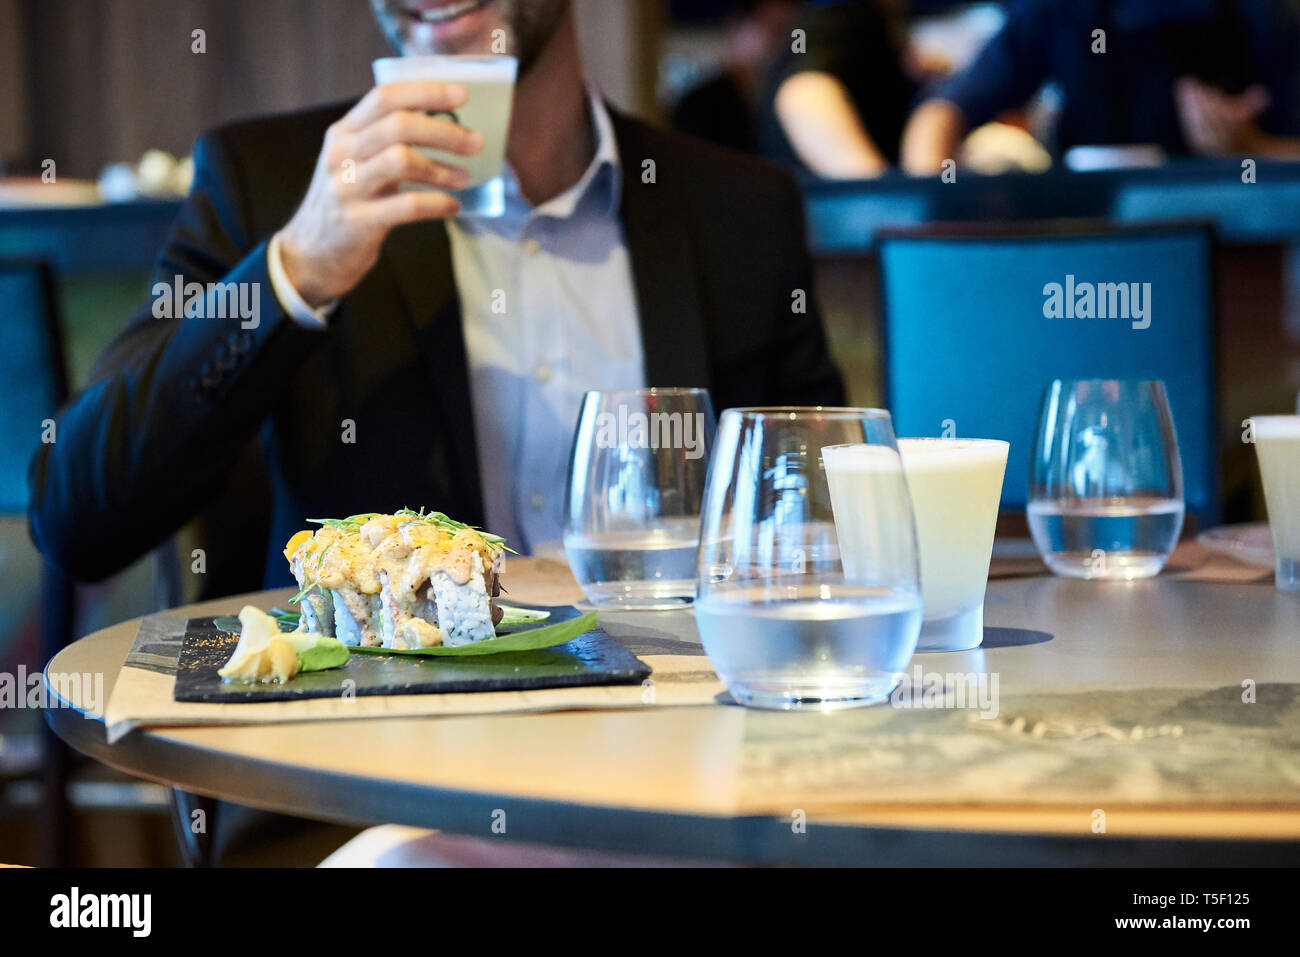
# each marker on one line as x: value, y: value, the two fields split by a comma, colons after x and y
x: 1266, y: 211
x: 33, y: 377
x: 978, y: 320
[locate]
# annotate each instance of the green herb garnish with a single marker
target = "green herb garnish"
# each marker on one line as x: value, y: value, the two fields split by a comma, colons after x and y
x: 352, y: 524
x: 441, y: 520
x: 302, y: 593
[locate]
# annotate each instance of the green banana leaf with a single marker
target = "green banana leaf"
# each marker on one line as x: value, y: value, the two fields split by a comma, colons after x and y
x: 548, y: 636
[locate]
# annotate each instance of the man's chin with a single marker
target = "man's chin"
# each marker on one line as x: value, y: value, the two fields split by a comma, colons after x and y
x: 470, y: 32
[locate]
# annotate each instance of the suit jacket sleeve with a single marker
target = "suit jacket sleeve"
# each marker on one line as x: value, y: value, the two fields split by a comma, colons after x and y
x: 172, y: 400
x: 802, y: 370
x: 1010, y: 67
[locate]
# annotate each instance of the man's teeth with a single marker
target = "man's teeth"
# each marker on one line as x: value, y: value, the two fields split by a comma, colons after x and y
x: 449, y: 12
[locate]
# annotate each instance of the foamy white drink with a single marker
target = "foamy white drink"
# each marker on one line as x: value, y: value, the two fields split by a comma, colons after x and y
x: 955, y: 485
x: 1277, y: 444
x: 489, y: 83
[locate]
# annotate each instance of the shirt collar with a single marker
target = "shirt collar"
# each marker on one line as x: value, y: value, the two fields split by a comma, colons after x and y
x: 600, y: 184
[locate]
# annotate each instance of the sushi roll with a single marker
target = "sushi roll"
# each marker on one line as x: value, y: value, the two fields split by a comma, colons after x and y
x: 465, y: 606
x: 404, y: 581
x: 318, y: 611
x: 337, y: 579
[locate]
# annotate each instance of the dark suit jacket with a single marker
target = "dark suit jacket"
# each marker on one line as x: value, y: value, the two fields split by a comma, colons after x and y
x: 716, y: 244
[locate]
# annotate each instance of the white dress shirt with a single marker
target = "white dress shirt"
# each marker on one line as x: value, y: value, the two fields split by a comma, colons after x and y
x: 548, y: 310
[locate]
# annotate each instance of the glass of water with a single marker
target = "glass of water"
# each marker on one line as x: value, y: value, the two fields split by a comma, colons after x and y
x: 632, y: 512
x: 1106, y: 482
x: 809, y: 590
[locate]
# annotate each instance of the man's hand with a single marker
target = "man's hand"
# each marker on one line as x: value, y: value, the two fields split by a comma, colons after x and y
x: 353, y: 201
x: 934, y: 133
x: 1216, y: 123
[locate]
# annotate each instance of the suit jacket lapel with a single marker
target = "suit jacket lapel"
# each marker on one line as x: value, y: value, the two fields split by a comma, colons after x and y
x: 418, y: 257
x: 664, y: 269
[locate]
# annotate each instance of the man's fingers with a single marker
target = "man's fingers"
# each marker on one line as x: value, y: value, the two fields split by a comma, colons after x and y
x: 431, y: 95
x: 404, y: 164
x: 416, y: 129
x: 1254, y: 101
x: 1193, y: 110
x: 409, y: 207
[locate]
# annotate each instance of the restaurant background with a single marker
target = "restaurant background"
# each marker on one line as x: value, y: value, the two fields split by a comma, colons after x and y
x: 89, y: 84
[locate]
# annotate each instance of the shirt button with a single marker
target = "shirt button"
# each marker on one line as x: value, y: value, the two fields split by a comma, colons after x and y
x: 532, y: 246
x: 542, y: 373
x: 537, y: 500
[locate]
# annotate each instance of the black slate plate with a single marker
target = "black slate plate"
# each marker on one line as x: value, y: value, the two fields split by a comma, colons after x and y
x: 591, y: 659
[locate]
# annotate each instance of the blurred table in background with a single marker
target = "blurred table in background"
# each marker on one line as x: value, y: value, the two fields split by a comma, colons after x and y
x: 845, y: 216
x: 102, y: 255
x: 79, y: 236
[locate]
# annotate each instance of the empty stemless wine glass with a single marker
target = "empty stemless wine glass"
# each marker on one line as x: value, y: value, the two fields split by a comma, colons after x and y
x: 786, y: 620
x: 1106, y: 482
x: 636, y: 478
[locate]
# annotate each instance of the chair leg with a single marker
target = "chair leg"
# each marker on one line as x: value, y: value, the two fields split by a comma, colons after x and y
x: 192, y: 818
x: 58, y: 607
x: 56, y: 812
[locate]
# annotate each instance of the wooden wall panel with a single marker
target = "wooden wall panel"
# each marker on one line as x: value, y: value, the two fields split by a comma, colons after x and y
x: 109, y: 79
x: 14, y: 134
x: 106, y: 79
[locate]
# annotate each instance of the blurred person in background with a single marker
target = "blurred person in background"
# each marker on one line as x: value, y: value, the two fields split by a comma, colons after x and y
x: 835, y: 104
x: 1264, y: 120
x: 1209, y: 77
x: 721, y: 109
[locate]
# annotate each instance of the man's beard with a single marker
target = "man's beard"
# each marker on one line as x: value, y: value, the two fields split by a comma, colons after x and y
x: 532, y: 24
x: 529, y: 26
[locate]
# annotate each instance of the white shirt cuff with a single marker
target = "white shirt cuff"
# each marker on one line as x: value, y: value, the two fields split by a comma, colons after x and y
x: 290, y: 300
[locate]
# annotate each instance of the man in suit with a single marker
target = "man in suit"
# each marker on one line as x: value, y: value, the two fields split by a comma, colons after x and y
x: 380, y: 368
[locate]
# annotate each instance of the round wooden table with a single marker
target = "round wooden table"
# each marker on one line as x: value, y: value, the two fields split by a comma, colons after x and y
x: 669, y: 781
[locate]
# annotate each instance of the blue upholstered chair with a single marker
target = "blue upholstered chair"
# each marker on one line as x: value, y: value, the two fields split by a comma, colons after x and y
x: 977, y: 320
x: 33, y: 384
